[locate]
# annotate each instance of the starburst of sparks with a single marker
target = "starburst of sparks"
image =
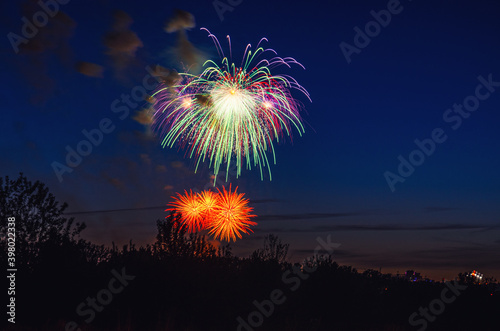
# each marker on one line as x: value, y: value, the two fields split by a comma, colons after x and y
x: 230, y: 113
x: 224, y: 214
x: 232, y: 216
x: 191, y: 209
x: 208, y: 201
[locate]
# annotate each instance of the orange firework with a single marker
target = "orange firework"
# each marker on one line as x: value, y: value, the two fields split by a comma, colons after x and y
x: 191, y: 209
x: 231, y: 216
x: 208, y: 200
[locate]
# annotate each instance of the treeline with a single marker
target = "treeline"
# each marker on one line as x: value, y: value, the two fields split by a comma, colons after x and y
x: 182, y: 282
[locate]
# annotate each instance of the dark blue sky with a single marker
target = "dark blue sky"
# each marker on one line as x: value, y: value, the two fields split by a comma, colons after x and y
x: 443, y: 219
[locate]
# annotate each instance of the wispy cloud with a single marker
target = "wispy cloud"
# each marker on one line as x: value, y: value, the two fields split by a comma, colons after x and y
x: 89, y: 69
x: 289, y: 217
x: 121, y: 42
x: 383, y: 227
x: 264, y: 201
x: 191, y: 57
x: 337, y: 253
x: 434, y: 209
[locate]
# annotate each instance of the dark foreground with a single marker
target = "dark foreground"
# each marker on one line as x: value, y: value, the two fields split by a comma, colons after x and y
x: 184, y: 283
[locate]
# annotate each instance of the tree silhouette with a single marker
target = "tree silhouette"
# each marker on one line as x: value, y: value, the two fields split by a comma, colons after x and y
x: 274, y: 250
x: 172, y: 240
x: 38, y: 217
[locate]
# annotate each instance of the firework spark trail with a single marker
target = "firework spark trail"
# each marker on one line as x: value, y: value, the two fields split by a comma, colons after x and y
x: 230, y: 112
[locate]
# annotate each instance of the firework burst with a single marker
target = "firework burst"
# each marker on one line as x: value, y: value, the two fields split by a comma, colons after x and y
x: 230, y: 113
x: 225, y: 214
x: 232, y: 216
x: 208, y: 201
x: 191, y: 209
